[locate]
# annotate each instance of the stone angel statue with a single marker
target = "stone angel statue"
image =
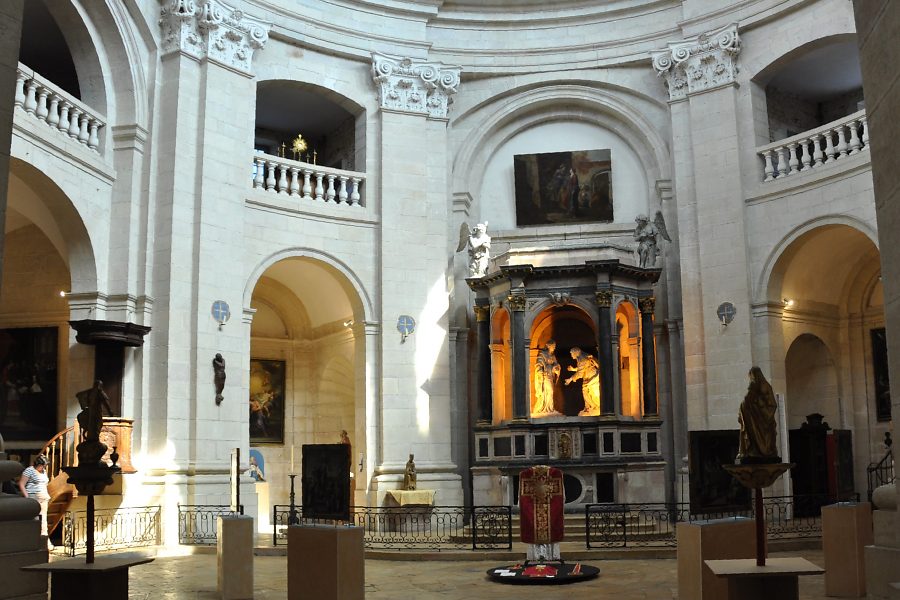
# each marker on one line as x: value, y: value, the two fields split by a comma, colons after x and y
x: 478, y: 243
x: 647, y: 236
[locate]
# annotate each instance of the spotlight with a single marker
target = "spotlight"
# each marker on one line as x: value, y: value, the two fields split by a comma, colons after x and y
x: 62, y: 294
x: 348, y: 322
x: 788, y: 302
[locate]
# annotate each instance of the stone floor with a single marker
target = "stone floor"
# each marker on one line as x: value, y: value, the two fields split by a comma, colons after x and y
x: 194, y: 577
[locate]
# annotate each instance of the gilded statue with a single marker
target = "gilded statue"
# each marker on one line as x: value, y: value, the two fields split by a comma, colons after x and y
x: 587, y: 369
x: 757, y: 419
x: 546, y: 374
x: 409, y: 475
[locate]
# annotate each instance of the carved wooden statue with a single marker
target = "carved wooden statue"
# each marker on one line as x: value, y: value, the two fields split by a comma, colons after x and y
x: 218, y: 364
x: 409, y: 475
x: 757, y: 419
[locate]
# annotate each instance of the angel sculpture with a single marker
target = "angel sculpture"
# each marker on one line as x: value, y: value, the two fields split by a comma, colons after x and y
x: 646, y: 234
x: 478, y: 243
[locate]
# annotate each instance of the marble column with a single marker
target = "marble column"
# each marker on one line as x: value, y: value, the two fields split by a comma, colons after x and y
x: 521, y: 408
x: 648, y: 356
x: 604, y: 351
x: 483, y: 318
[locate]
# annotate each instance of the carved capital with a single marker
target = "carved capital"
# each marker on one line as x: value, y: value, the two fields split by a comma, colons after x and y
x: 647, y: 305
x: 482, y: 313
x: 414, y: 85
x: 516, y: 302
x: 699, y: 63
x: 604, y: 298
x: 212, y: 29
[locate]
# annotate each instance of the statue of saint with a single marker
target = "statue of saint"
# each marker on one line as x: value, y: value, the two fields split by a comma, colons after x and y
x: 218, y: 364
x: 90, y: 419
x: 646, y: 234
x: 478, y: 243
x: 587, y: 369
x: 546, y: 374
x: 757, y: 419
x: 409, y: 475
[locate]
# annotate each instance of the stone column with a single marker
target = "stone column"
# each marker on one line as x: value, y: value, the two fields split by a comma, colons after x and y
x: 485, y: 397
x: 521, y: 408
x: 11, y: 17
x: 648, y: 356
x: 604, y: 351
x: 416, y: 413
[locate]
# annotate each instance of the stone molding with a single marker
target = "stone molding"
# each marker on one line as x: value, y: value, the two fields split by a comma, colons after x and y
x: 699, y: 63
x: 415, y: 86
x: 212, y: 30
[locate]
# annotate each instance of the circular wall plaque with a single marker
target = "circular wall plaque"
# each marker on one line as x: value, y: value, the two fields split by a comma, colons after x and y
x: 406, y: 325
x: 221, y: 312
x: 726, y: 312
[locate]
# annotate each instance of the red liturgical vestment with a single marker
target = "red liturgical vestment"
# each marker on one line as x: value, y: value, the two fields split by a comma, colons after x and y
x: 541, y: 501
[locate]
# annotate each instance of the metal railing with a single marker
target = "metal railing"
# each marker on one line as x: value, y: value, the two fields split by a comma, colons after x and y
x: 198, y: 523
x: 421, y: 528
x: 654, y: 525
x: 880, y: 473
x: 114, y: 528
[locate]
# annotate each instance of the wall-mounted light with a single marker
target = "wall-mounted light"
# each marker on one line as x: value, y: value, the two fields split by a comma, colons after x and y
x: 348, y: 323
x: 788, y: 302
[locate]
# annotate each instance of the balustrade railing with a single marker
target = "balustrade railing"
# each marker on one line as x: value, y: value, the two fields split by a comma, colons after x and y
x: 57, y: 108
x: 816, y: 147
x: 114, y: 528
x: 419, y: 528
x: 309, y: 182
x: 198, y: 523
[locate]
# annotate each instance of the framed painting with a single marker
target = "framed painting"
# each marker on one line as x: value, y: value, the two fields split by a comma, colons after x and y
x: 266, y: 401
x: 28, y: 383
x: 326, y: 481
x: 713, y: 489
x: 880, y: 372
x: 563, y: 187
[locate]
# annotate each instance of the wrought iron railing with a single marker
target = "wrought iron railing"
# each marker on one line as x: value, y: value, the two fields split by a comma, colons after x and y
x: 114, y: 528
x: 653, y: 525
x: 880, y: 473
x: 421, y: 528
x: 198, y: 523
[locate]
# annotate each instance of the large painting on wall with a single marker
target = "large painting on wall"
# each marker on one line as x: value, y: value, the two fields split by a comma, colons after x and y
x: 880, y: 372
x: 713, y: 489
x: 28, y: 383
x: 266, y: 401
x: 563, y: 187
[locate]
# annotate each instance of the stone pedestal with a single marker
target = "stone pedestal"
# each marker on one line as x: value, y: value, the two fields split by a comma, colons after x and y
x: 21, y: 543
x: 234, y: 552
x: 106, y: 577
x: 776, y: 580
x: 846, y: 531
x: 703, y: 540
x: 326, y: 563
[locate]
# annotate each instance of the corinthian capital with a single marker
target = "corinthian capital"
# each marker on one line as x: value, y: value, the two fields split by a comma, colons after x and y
x: 414, y: 85
x: 212, y: 29
x: 699, y: 63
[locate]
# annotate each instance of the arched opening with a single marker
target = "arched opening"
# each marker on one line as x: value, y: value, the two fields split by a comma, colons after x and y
x: 44, y: 49
x: 812, y: 382
x: 569, y: 327
x: 305, y: 371
x: 629, y: 355
x: 812, y: 85
x: 501, y: 366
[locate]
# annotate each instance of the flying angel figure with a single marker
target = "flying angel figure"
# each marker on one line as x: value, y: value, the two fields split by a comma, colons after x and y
x: 646, y: 234
x: 478, y: 242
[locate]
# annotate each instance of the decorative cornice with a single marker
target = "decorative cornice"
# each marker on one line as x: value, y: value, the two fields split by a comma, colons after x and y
x: 415, y: 86
x: 91, y: 331
x: 213, y: 30
x: 699, y: 63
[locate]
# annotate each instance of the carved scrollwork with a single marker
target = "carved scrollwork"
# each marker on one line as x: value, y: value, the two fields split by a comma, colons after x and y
x: 414, y: 85
x: 699, y: 63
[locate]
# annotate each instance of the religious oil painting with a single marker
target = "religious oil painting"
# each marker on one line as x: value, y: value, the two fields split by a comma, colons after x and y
x: 266, y: 401
x: 563, y: 187
x: 28, y: 394
x: 880, y: 371
x: 326, y: 481
x: 713, y: 489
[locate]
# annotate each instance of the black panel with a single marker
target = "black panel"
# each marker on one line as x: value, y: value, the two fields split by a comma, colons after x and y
x: 651, y: 442
x: 609, y: 442
x: 482, y: 447
x: 541, y: 447
x: 589, y: 443
x: 573, y: 488
x: 606, y: 490
x: 629, y: 442
x: 502, y: 446
x: 520, y: 445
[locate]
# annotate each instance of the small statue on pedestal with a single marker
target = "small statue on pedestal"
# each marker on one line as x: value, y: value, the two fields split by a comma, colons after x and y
x: 587, y: 369
x: 646, y: 234
x: 409, y: 475
x: 478, y: 242
x: 757, y: 419
x: 546, y: 374
x: 90, y: 421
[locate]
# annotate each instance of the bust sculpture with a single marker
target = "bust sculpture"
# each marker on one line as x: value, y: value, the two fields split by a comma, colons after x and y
x: 409, y: 475
x: 757, y: 420
x: 218, y: 364
x: 546, y: 374
x: 587, y: 369
x: 478, y: 243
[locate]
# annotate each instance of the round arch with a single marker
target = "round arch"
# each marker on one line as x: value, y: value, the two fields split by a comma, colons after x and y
x: 764, y: 73
x: 812, y: 383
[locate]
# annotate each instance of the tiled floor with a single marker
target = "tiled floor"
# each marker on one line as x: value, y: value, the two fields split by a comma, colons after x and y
x: 194, y: 577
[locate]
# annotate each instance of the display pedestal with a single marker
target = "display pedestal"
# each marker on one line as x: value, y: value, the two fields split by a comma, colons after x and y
x: 106, y: 577
x: 776, y: 580
x: 705, y: 540
x: 846, y: 531
x: 412, y: 512
x: 326, y: 563
x: 234, y: 557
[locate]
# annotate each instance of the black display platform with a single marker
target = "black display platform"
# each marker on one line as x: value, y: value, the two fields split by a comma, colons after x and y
x: 543, y: 573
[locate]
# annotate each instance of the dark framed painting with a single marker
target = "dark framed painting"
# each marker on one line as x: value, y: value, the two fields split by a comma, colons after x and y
x: 325, y: 481
x: 563, y: 187
x: 29, y: 382
x: 713, y: 489
x: 266, y: 401
x: 880, y: 373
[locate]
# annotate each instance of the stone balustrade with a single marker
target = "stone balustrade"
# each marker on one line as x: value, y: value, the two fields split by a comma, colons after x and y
x: 310, y: 182
x: 46, y: 102
x: 816, y: 147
